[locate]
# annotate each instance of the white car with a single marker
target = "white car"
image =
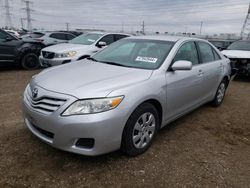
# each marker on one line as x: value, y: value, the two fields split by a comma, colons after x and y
x: 49, y: 38
x: 78, y: 48
x: 239, y: 54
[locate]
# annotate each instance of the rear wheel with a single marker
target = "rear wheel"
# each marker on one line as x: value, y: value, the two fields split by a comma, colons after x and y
x: 30, y: 61
x: 220, y: 94
x: 140, y: 130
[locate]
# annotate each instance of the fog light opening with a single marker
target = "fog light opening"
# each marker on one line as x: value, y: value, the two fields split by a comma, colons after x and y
x: 86, y: 143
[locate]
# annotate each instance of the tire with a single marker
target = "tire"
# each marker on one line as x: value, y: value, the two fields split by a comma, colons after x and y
x: 220, y: 94
x: 30, y: 61
x: 140, y: 130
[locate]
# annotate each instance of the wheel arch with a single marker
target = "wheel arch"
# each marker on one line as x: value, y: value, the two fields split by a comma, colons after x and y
x: 83, y: 57
x: 227, y: 79
x: 156, y: 103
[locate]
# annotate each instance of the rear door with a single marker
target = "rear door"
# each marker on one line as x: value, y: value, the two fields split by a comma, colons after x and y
x: 184, y: 88
x: 8, y: 47
x: 211, y: 67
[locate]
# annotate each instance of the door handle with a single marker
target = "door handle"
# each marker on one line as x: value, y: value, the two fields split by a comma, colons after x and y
x: 201, y: 73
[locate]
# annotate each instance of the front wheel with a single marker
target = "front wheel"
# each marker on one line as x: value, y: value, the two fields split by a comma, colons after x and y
x: 30, y: 61
x: 140, y: 130
x: 220, y: 94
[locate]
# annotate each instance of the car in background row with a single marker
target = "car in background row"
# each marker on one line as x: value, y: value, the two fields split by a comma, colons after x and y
x: 78, y: 48
x: 221, y: 44
x: 239, y: 54
x: 49, y: 38
x: 14, y: 51
x: 12, y: 32
x: 121, y: 96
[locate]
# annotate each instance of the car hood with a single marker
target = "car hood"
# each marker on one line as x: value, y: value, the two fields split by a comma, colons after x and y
x: 241, y: 54
x: 65, y: 47
x: 87, y: 79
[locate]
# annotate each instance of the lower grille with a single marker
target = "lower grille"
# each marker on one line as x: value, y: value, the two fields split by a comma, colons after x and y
x: 43, y: 132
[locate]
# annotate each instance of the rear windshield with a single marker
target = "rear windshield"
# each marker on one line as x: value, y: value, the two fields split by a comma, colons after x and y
x: 240, y: 45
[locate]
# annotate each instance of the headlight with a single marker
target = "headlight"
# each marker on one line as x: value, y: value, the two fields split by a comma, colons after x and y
x: 66, y: 54
x: 92, y: 106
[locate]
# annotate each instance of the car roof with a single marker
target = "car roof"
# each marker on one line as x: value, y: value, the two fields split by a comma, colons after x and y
x: 107, y: 33
x: 164, y: 38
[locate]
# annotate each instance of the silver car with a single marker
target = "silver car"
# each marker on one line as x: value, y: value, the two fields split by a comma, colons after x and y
x: 78, y: 48
x: 121, y: 96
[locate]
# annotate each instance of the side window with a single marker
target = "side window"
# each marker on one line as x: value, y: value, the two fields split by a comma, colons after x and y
x: 119, y: 37
x: 2, y: 35
x: 188, y: 52
x: 108, y: 39
x: 206, y: 51
x: 69, y: 37
x: 216, y: 56
x: 59, y: 36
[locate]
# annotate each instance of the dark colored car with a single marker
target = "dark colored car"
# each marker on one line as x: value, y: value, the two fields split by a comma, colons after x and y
x: 14, y: 51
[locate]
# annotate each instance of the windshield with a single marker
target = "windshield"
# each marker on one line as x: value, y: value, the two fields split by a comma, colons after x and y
x: 240, y: 45
x: 145, y: 54
x: 86, y: 39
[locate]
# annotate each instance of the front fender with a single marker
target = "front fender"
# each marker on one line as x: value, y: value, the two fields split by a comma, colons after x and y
x: 28, y: 47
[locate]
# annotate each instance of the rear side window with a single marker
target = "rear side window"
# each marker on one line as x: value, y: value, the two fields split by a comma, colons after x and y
x: 70, y: 37
x: 187, y: 52
x: 59, y: 36
x: 206, y: 52
x: 108, y: 39
x: 119, y: 37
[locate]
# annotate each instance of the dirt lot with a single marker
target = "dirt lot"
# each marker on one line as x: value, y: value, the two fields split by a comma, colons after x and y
x: 209, y: 147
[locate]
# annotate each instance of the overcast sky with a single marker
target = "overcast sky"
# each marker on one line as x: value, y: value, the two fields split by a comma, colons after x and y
x: 218, y: 16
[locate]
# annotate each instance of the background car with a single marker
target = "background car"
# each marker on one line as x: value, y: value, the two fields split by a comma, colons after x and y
x: 121, y: 96
x: 12, y: 32
x: 49, y: 38
x: 78, y: 48
x: 221, y: 44
x: 239, y: 54
x: 14, y: 51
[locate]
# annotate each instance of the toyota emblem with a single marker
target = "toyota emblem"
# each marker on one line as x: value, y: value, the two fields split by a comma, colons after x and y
x: 34, y: 92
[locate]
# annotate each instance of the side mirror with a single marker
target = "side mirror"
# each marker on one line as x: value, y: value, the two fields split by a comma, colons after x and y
x: 101, y: 44
x: 8, y: 38
x: 182, y: 65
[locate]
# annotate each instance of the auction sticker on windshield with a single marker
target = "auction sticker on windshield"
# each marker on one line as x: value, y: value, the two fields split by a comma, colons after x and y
x: 147, y: 59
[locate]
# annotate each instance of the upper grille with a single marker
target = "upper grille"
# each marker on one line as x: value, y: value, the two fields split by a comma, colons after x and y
x: 48, y: 55
x: 45, y: 104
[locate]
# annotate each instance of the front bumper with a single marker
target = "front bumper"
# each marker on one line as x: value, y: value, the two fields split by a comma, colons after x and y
x: 63, y: 132
x: 54, y: 62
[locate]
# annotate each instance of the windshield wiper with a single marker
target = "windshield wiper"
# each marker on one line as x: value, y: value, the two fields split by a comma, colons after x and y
x: 91, y: 58
x: 113, y: 63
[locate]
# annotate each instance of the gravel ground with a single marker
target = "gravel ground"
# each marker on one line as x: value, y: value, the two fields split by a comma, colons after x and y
x: 209, y: 147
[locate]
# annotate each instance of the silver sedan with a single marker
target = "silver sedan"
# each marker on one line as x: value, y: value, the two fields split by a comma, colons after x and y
x: 120, y: 97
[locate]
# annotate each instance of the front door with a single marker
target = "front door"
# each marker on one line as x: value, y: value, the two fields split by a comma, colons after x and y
x: 184, y: 88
